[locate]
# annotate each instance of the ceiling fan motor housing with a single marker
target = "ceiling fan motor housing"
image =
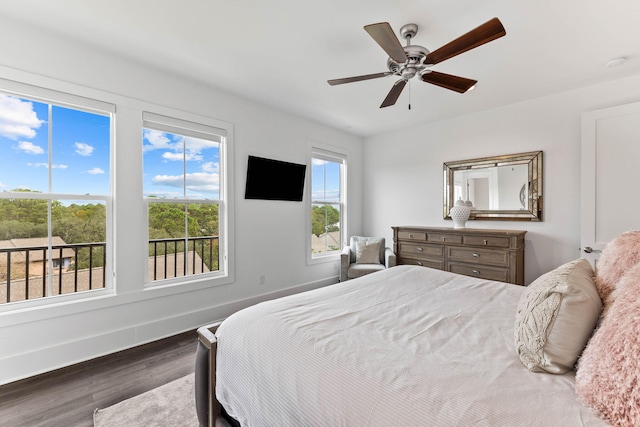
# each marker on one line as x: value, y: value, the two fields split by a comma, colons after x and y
x: 414, y: 64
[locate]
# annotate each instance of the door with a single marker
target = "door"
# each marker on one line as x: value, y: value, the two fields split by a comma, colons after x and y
x: 610, y: 168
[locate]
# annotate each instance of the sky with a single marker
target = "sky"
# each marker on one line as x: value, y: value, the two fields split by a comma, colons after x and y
x: 79, y: 157
x: 177, y: 166
x: 325, y: 183
x: 174, y: 166
x: 79, y: 160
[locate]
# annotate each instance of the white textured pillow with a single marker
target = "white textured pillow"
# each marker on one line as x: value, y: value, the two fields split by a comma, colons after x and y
x: 556, y: 316
x: 367, y: 252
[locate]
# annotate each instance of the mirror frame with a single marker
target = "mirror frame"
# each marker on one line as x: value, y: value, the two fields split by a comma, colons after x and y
x: 534, y: 161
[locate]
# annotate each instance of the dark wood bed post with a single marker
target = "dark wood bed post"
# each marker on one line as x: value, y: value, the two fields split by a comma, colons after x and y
x: 206, y: 335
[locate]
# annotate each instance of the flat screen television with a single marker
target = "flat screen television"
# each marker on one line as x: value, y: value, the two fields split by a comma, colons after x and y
x: 269, y: 179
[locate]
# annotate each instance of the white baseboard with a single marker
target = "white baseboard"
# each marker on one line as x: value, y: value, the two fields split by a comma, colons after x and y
x: 24, y: 365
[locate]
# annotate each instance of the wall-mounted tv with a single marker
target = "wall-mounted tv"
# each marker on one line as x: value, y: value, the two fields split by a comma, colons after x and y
x: 269, y: 179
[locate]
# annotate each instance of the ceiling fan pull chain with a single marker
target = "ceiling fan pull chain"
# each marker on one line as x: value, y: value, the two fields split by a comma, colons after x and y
x: 409, y: 95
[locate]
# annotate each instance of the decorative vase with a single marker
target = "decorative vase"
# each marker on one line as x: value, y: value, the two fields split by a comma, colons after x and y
x: 460, y: 213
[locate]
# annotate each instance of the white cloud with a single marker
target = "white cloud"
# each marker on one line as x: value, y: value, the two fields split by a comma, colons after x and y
x: 17, y: 118
x: 2, y: 185
x: 46, y: 165
x: 95, y: 171
x: 29, y: 147
x: 179, y: 149
x: 199, y: 181
x: 178, y: 156
x: 212, y: 167
x: 172, y: 156
x: 83, y: 149
x: 197, y: 145
x: 157, y: 140
x: 329, y: 195
x: 170, y: 180
x: 165, y: 194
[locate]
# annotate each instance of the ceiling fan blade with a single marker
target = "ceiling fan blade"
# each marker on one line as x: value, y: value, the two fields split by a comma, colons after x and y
x: 358, y: 78
x: 448, y: 81
x: 485, y: 33
x: 394, y: 93
x: 385, y: 37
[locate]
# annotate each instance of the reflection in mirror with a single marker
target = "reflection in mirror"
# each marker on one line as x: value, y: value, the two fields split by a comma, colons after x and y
x: 503, y: 187
x: 498, y: 188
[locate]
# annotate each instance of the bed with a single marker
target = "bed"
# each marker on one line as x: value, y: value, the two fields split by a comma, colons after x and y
x: 407, y: 346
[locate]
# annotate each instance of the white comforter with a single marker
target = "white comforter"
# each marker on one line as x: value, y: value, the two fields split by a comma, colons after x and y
x: 409, y: 346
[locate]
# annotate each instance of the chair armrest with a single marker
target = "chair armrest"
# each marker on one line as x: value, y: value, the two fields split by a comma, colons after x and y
x: 389, y: 258
x: 345, y: 261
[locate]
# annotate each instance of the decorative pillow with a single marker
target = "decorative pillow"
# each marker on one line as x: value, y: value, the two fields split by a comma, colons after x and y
x: 618, y: 256
x: 556, y: 316
x: 608, y: 375
x: 367, y: 252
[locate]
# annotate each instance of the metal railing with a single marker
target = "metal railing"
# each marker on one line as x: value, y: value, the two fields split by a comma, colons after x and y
x: 170, y: 259
x: 25, y: 274
x: 24, y: 271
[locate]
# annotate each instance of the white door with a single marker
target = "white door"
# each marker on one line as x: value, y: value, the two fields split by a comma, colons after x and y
x: 610, y: 170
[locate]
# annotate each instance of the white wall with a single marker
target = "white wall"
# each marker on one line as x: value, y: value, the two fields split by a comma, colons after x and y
x: 404, y: 179
x: 270, y: 237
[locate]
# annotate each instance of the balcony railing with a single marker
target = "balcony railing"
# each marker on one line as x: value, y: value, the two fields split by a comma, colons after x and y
x: 168, y: 258
x: 24, y: 271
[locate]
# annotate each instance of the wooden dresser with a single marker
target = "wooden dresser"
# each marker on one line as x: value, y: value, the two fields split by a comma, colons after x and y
x: 488, y: 254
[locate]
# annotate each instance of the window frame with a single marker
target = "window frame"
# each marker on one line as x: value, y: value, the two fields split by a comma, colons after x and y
x: 57, y: 98
x: 186, y: 124
x: 333, y: 154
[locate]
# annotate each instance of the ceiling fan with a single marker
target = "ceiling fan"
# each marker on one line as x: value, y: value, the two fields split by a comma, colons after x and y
x: 414, y: 60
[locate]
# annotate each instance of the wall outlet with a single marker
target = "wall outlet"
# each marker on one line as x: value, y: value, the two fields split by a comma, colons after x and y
x: 262, y: 280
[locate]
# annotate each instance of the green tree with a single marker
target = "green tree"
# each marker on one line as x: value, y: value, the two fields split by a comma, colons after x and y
x: 167, y: 220
x: 324, y: 219
x: 86, y: 223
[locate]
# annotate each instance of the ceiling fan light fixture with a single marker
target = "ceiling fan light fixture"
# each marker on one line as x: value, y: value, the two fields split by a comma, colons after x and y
x: 409, y: 72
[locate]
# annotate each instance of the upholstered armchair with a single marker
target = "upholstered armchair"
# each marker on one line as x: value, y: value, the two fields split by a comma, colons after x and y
x: 365, y: 255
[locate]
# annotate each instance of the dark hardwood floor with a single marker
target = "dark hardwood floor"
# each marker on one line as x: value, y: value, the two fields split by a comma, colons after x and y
x: 68, y: 397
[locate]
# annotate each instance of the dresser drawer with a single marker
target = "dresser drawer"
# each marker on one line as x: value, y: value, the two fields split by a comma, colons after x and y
x: 412, y: 235
x: 489, y: 241
x: 444, y: 238
x: 420, y: 250
x: 487, y: 254
x: 483, y: 272
x: 479, y: 255
x: 433, y: 263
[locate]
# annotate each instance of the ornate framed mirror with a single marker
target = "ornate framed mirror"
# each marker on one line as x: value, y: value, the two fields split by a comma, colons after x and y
x: 507, y: 187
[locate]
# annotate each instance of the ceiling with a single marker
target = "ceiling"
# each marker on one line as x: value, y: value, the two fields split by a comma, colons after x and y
x: 281, y: 53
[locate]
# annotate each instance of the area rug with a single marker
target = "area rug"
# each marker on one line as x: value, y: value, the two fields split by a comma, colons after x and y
x: 170, y: 405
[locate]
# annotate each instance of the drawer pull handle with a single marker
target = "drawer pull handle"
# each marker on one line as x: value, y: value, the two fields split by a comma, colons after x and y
x: 444, y: 238
x: 476, y: 271
x: 418, y: 262
x: 411, y: 236
x: 484, y: 242
x: 419, y: 249
x: 475, y: 255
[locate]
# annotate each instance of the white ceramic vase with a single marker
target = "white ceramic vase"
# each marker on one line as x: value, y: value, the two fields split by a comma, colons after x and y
x: 460, y: 213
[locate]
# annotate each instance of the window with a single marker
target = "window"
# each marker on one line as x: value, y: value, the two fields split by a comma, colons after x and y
x: 327, y: 202
x: 55, y: 195
x: 182, y: 185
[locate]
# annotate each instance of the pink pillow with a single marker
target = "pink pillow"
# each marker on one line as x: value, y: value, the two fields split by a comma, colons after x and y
x: 608, y: 373
x: 618, y: 256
